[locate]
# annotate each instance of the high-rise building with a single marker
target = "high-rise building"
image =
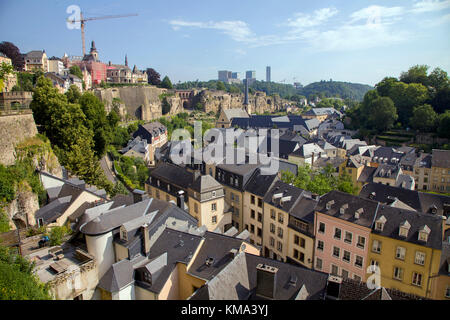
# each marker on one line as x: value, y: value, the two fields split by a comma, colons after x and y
x: 268, y: 74
x: 224, y: 76
x: 235, y: 75
x: 250, y: 75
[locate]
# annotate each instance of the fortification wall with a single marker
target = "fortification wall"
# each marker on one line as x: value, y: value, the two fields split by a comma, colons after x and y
x: 13, y: 130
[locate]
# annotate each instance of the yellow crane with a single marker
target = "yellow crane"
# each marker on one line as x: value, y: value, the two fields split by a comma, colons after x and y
x: 83, y: 20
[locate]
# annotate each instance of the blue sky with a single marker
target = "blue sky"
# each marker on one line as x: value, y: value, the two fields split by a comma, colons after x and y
x: 305, y: 41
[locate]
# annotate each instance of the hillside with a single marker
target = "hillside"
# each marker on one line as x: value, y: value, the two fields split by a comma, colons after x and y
x: 345, y: 90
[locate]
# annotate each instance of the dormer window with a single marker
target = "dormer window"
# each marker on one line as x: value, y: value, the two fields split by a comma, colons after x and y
x: 358, y: 213
x: 404, y: 229
x: 379, y: 224
x: 342, y: 209
x: 157, y: 183
x: 329, y: 204
x: 424, y: 233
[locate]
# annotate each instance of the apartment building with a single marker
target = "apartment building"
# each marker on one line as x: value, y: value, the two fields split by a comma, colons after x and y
x: 342, y: 225
x: 440, y: 170
x: 406, y: 246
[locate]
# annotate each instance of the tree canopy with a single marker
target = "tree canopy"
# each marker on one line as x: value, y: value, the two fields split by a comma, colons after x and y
x: 10, y: 50
x: 154, y: 77
x: 166, y: 83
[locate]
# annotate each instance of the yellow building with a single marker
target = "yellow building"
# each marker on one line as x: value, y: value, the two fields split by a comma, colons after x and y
x: 440, y: 171
x: 406, y: 246
x: 441, y: 283
x: 36, y: 60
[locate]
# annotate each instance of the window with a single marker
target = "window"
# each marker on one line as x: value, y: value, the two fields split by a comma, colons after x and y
x: 195, y: 207
x: 357, y: 278
x: 320, y: 245
x: 344, y: 274
x: 302, y: 257
x: 272, y: 214
x: 334, y: 270
x: 336, y: 252
x: 302, y: 242
x: 272, y: 228
x: 447, y: 292
x: 346, y: 256
x: 376, y: 246
x: 272, y: 241
x: 236, y: 198
x: 259, y: 217
x: 280, y: 217
x: 359, y: 261
x: 252, y: 214
x: 279, y: 246
x: 213, y: 194
x: 296, y: 254
x: 321, y: 227
x: 167, y: 197
x: 252, y: 199
x: 420, y: 258
x: 232, y: 196
x: 260, y: 202
x: 157, y: 194
x: 259, y: 232
x: 417, y: 279
x: 296, y: 239
x: 214, y: 219
x: 337, y: 233
x: 348, y: 237
x: 374, y: 263
x: 319, y: 264
x: 213, y: 206
x: 398, y: 273
x: 252, y: 228
x: 361, y: 242
x: 400, y: 253
x: 280, y: 233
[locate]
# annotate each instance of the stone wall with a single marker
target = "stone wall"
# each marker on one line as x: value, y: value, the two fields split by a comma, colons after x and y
x: 144, y: 102
x: 13, y: 130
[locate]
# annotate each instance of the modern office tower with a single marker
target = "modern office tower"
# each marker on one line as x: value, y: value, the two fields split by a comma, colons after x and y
x: 268, y: 74
x: 224, y: 76
x: 235, y: 75
x: 250, y: 75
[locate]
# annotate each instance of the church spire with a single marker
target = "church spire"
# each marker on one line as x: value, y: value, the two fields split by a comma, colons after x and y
x: 126, y: 61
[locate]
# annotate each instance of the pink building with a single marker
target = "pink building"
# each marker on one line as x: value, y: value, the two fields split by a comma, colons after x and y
x: 342, y: 226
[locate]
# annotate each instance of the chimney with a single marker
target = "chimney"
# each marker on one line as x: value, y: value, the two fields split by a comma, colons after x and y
x: 146, y: 239
x: 180, y: 199
x: 312, y: 159
x: 246, y: 92
x: 139, y: 195
x: 196, y: 174
x: 333, y: 287
x: 266, y: 281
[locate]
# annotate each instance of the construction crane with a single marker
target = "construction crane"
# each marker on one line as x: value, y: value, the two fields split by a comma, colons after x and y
x: 83, y: 21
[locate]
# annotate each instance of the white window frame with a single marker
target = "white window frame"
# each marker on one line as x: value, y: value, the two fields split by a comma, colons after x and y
x: 421, y: 255
x: 400, y: 250
x: 396, y: 276
x: 339, y: 254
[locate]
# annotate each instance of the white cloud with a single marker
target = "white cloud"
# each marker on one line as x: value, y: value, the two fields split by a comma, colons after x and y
x: 302, y: 21
x: 430, y: 5
x: 237, y: 30
x: 374, y: 14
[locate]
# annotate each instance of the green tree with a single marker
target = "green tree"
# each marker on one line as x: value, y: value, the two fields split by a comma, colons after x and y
x: 424, y: 118
x: 416, y: 74
x: 73, y: 94
x: 4, y: 221
x: 383, y: 114
x: 76, y: 71
x: 166, y: 83
x: 221, y: 86
x: 5, y: 70
x: 56, y: 236
x: 444, y: 125
x: 17, y: 282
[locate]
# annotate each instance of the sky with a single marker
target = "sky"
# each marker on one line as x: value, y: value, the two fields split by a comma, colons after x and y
x: 359, y: 41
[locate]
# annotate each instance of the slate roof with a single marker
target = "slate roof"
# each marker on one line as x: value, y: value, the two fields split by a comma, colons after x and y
x: 419, y: 201
x: 114, y: 218
x: 216, y: 246
x: 173, y: 174
x: 117, y: 277
x: 387, y: 171
x: 53, y: 210
x: 445, y: 259
x: 180, y: 247
x: 205, y: 183
x: 441, y: 158
x: 35, y: 54
x: 355, y: 290
x: 304, y: 209
x: 395, y: 217
x: 237, y: 281
x: 287, y: 191
x: 354, y: 203
x: 268, y: 121
x: 367, y: 174
x: 235, y: 113
x: 260, y: 184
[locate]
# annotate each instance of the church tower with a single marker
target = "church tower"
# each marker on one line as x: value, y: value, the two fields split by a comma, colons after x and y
x: 126, y: 61
x: 94, y: 51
